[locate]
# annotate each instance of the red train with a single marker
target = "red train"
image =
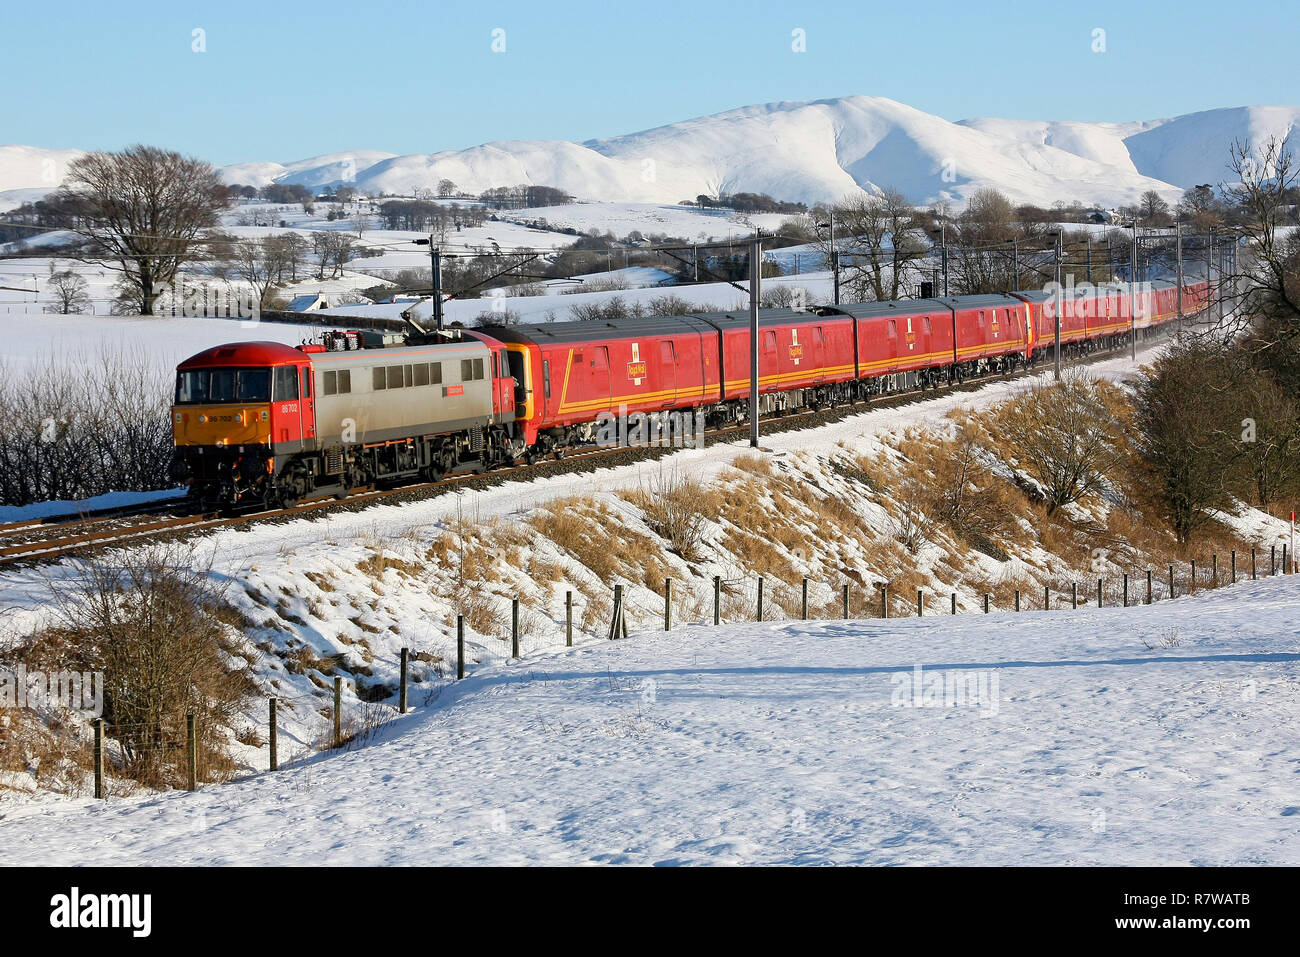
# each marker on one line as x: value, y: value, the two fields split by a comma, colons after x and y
x: 265, y: 424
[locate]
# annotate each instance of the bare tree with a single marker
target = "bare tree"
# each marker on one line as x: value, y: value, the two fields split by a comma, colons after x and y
x: 144, y: 208
x: 69, y: 290
x: 1153, y: 209
x: 259, y: 262
x: 1066, y: 438
x: 878, y: 236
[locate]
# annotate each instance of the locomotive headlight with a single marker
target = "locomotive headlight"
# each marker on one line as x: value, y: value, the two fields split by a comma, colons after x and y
x: 203, y: 418
x: 238, y: 418
x: 177, y: 416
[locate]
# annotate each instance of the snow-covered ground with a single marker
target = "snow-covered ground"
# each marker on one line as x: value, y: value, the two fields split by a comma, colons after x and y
x: 1153, y: 735
x: 163, y: 341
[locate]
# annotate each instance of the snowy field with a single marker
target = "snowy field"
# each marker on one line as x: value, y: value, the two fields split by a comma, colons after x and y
x: 162, y: 341
x: 1158, y: 735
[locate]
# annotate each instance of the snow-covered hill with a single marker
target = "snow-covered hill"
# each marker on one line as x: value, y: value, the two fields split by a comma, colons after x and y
x: 806, y: 151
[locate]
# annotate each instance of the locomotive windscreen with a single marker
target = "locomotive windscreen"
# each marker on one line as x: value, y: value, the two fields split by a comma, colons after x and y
x: 197, y: 386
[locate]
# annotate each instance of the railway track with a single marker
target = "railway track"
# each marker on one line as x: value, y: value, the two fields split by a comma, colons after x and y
x: 44, y: 540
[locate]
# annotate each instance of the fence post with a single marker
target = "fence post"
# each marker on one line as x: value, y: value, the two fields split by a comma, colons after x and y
x: 846, y: 601
x: 191, y: 755
x: 920, y: 604
x: 1272, y: 560
x: 668, y: 604
x: 406, y: 661
x: 804, y: 604
x: 1074, y: 594
x: 1017, y: 599
x: 1214, y: 568
x: 1047, y: 598
x: 460, y: 647
x: 1099, y: 593
x: 275, y: 738
x: 884, y: 599
x: 99, y: 759
x: 1126, y: 589
x: 760, y: 598
x: 953, y: 599
x: 1172, y: 593
x: 717, y: 599
x: 1253, y: 572
x: 1284, y: 566
x: 1234, y: 566
x: 1192, y: 587
x: 338, y: 711
x: 514, y: 628
x: 618, y: 612
x: 987, y: 598
x: 568, y: 619
x: 1150, y: 593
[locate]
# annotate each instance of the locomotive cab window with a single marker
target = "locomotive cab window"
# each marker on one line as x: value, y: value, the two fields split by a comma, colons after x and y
x: 286, y: 383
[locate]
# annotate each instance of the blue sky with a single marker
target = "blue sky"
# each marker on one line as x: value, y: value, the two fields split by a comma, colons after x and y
x: 284, y: 80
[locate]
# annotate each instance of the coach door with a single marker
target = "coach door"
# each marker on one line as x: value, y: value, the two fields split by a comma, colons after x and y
x: 668, y: 372
x: 891, y: 344
x: 600, y: 375
x: 819, y: 353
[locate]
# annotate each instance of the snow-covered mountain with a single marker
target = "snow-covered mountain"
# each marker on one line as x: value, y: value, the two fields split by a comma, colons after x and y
x: 807, y: 151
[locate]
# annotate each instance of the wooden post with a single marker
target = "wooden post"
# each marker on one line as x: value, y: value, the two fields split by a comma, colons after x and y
x: 1047, y: 598
x: 1074, y: 594
x: 1172, y: 593
x: 568, y: 619
x: 1192, y: 587
x: 1017, y: 599
x: 884, y: 600
x: 406, y: 664
x: 99, y: 759
x: 1234, y: 566
x: 1253, y: 571
x: 460, y: 647
x: 616, y: 623
x: 717, y: 599
x: 1099, y: 593
x: 668, y: 604
x: 514, y: 628
x: 920, y: 604
x: 1272, y: 560
x: 953, y: 600
x: 275, y: 738
x: 1126, y: 589
x: 1214, y: 568
x: 987, y: 598
x: 338, y: 711
x: 1284, y: 566
x: 804, y: 604
x: 845, y: 599
x: 1150, y: 593
x: 191, y: 755
x: 760, y: 598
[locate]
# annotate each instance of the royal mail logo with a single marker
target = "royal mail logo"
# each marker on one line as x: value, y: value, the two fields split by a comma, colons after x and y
x: 796, y: 350
x: 636, y: 369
